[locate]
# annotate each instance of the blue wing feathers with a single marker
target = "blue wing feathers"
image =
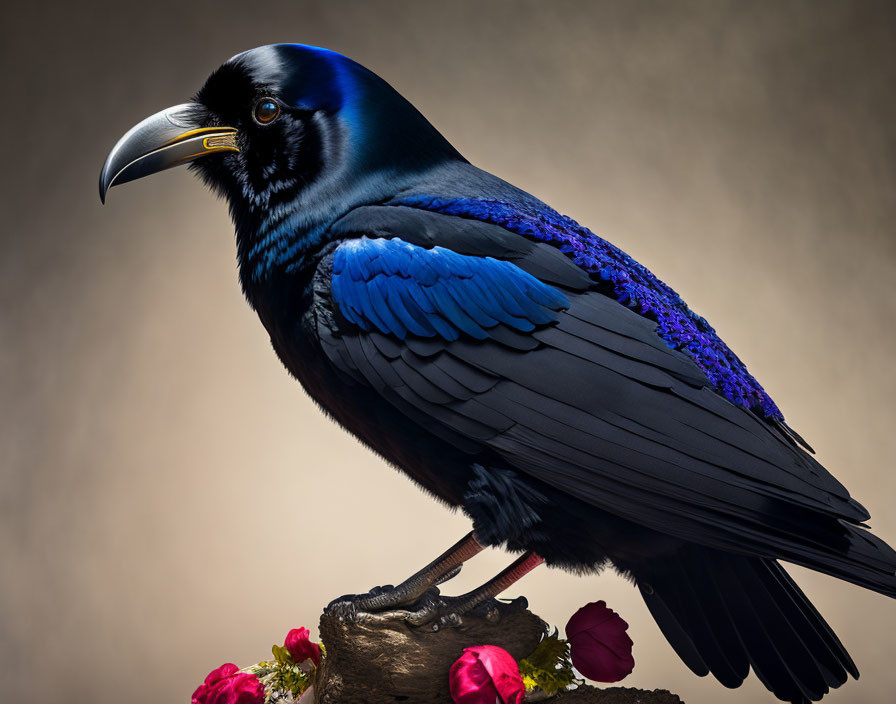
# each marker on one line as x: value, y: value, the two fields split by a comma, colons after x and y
x: 399, y: 288
x: 387, y: 315
x: 627, y: 281
x: 415, y: 318
x: 461, y: 300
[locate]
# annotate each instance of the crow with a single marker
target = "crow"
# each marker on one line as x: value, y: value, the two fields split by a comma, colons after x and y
x: 518, y: 366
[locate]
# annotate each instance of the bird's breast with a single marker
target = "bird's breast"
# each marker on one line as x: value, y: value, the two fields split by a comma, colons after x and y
x: 285, y: 306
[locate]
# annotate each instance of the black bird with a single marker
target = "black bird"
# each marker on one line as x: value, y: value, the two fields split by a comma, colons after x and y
x: 518, y: 366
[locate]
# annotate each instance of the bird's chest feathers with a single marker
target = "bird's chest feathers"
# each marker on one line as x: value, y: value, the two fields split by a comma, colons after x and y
x: 286, y: 305
x: 283, y: 304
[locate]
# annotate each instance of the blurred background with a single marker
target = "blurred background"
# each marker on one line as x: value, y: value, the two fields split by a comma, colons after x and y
x: 170, y: 499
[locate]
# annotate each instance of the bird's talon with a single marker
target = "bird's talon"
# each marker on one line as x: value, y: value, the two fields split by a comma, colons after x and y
x: 450, y: 620
x: 345, y: 611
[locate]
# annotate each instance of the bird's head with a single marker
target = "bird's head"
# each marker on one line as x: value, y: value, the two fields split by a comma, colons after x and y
x: 293, y: 136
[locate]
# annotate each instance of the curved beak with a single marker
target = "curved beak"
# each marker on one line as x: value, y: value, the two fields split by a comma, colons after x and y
x: 168, y: 138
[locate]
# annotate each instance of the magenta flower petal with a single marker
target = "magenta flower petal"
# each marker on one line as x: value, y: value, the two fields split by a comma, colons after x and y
x: 227, y: 685
x: 469, y: 681
x: 228, y: 669
x: 599, y: 645
x: 300, y: 646
x: 485, y: 674
x: 239, y: 689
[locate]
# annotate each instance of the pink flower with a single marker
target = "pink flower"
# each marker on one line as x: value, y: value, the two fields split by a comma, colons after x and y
x: 484, y: 675
x: 227, y: 685
x: 300, y: 646
x: 600, y: 648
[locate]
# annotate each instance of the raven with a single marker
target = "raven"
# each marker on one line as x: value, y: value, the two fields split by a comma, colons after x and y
x: 518, y: 366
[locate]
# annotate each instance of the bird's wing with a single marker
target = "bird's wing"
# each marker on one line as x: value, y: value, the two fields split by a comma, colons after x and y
x: 618, y: 276
x: 517, y: 356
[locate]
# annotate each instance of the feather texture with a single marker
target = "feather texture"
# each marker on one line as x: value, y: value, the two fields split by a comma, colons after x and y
x: 629, y: 282
x: 400, y: 288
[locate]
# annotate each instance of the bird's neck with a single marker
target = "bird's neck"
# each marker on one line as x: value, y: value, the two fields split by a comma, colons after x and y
x: 281, y: 242
x: 288, y: 240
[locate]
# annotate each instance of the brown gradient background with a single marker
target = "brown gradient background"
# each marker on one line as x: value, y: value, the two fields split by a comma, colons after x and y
x: 171, y: 500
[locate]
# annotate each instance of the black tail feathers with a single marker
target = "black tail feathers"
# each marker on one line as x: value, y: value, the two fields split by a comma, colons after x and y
x: 725, y: 613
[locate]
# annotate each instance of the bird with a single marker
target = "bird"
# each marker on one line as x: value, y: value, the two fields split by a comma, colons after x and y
x: 516, y: 366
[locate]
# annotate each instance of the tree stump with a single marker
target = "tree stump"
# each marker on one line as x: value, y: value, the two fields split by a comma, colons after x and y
x: 378, y: 659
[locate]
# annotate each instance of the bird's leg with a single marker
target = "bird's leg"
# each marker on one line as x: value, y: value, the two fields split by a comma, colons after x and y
x: 450, y: 610
x: 497, y: 584
x: 443, y: 568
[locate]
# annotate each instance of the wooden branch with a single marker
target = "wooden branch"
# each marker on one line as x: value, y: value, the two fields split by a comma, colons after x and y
x: 378, y: 659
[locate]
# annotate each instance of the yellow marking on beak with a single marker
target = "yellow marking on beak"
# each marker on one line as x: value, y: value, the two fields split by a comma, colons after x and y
x: 221, y: 142
x: 201, y: 130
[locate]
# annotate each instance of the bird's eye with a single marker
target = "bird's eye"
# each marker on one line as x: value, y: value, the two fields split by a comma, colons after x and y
x: 266, y: 111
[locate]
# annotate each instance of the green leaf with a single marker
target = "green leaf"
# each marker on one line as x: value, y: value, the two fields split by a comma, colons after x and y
x: 548, y: 667
x: 549, y: 652
x: 287, y: 678
x: 529, y: 682
x: 282, y: 655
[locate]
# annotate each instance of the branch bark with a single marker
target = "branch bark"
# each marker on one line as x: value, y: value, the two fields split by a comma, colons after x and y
x: 380, y: 660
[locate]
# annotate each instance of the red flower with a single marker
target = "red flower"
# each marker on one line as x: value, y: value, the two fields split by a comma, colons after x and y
x: 300, y: 646
x: 227, y: 685
x: 600, y: 648
x: 484, y: 675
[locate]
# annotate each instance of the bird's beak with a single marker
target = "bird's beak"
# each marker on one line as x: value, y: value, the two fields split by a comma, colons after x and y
x: 161, y: 141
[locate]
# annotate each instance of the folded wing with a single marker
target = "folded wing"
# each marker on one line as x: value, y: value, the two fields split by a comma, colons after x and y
x: 516, y: 356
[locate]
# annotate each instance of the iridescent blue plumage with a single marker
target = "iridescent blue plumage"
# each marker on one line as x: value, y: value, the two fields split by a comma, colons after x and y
x: 629, y: 282
x: 400, y: 288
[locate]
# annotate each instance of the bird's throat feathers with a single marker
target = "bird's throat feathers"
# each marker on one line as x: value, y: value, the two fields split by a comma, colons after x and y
x: 288, y: 237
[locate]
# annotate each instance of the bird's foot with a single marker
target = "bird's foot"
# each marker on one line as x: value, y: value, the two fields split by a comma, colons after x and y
x: 430, y: 611
x: 418, y: 602
x: 349, y: 606
x: 452, y: 612
x: 388, y: 599
x: 354, y: 608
